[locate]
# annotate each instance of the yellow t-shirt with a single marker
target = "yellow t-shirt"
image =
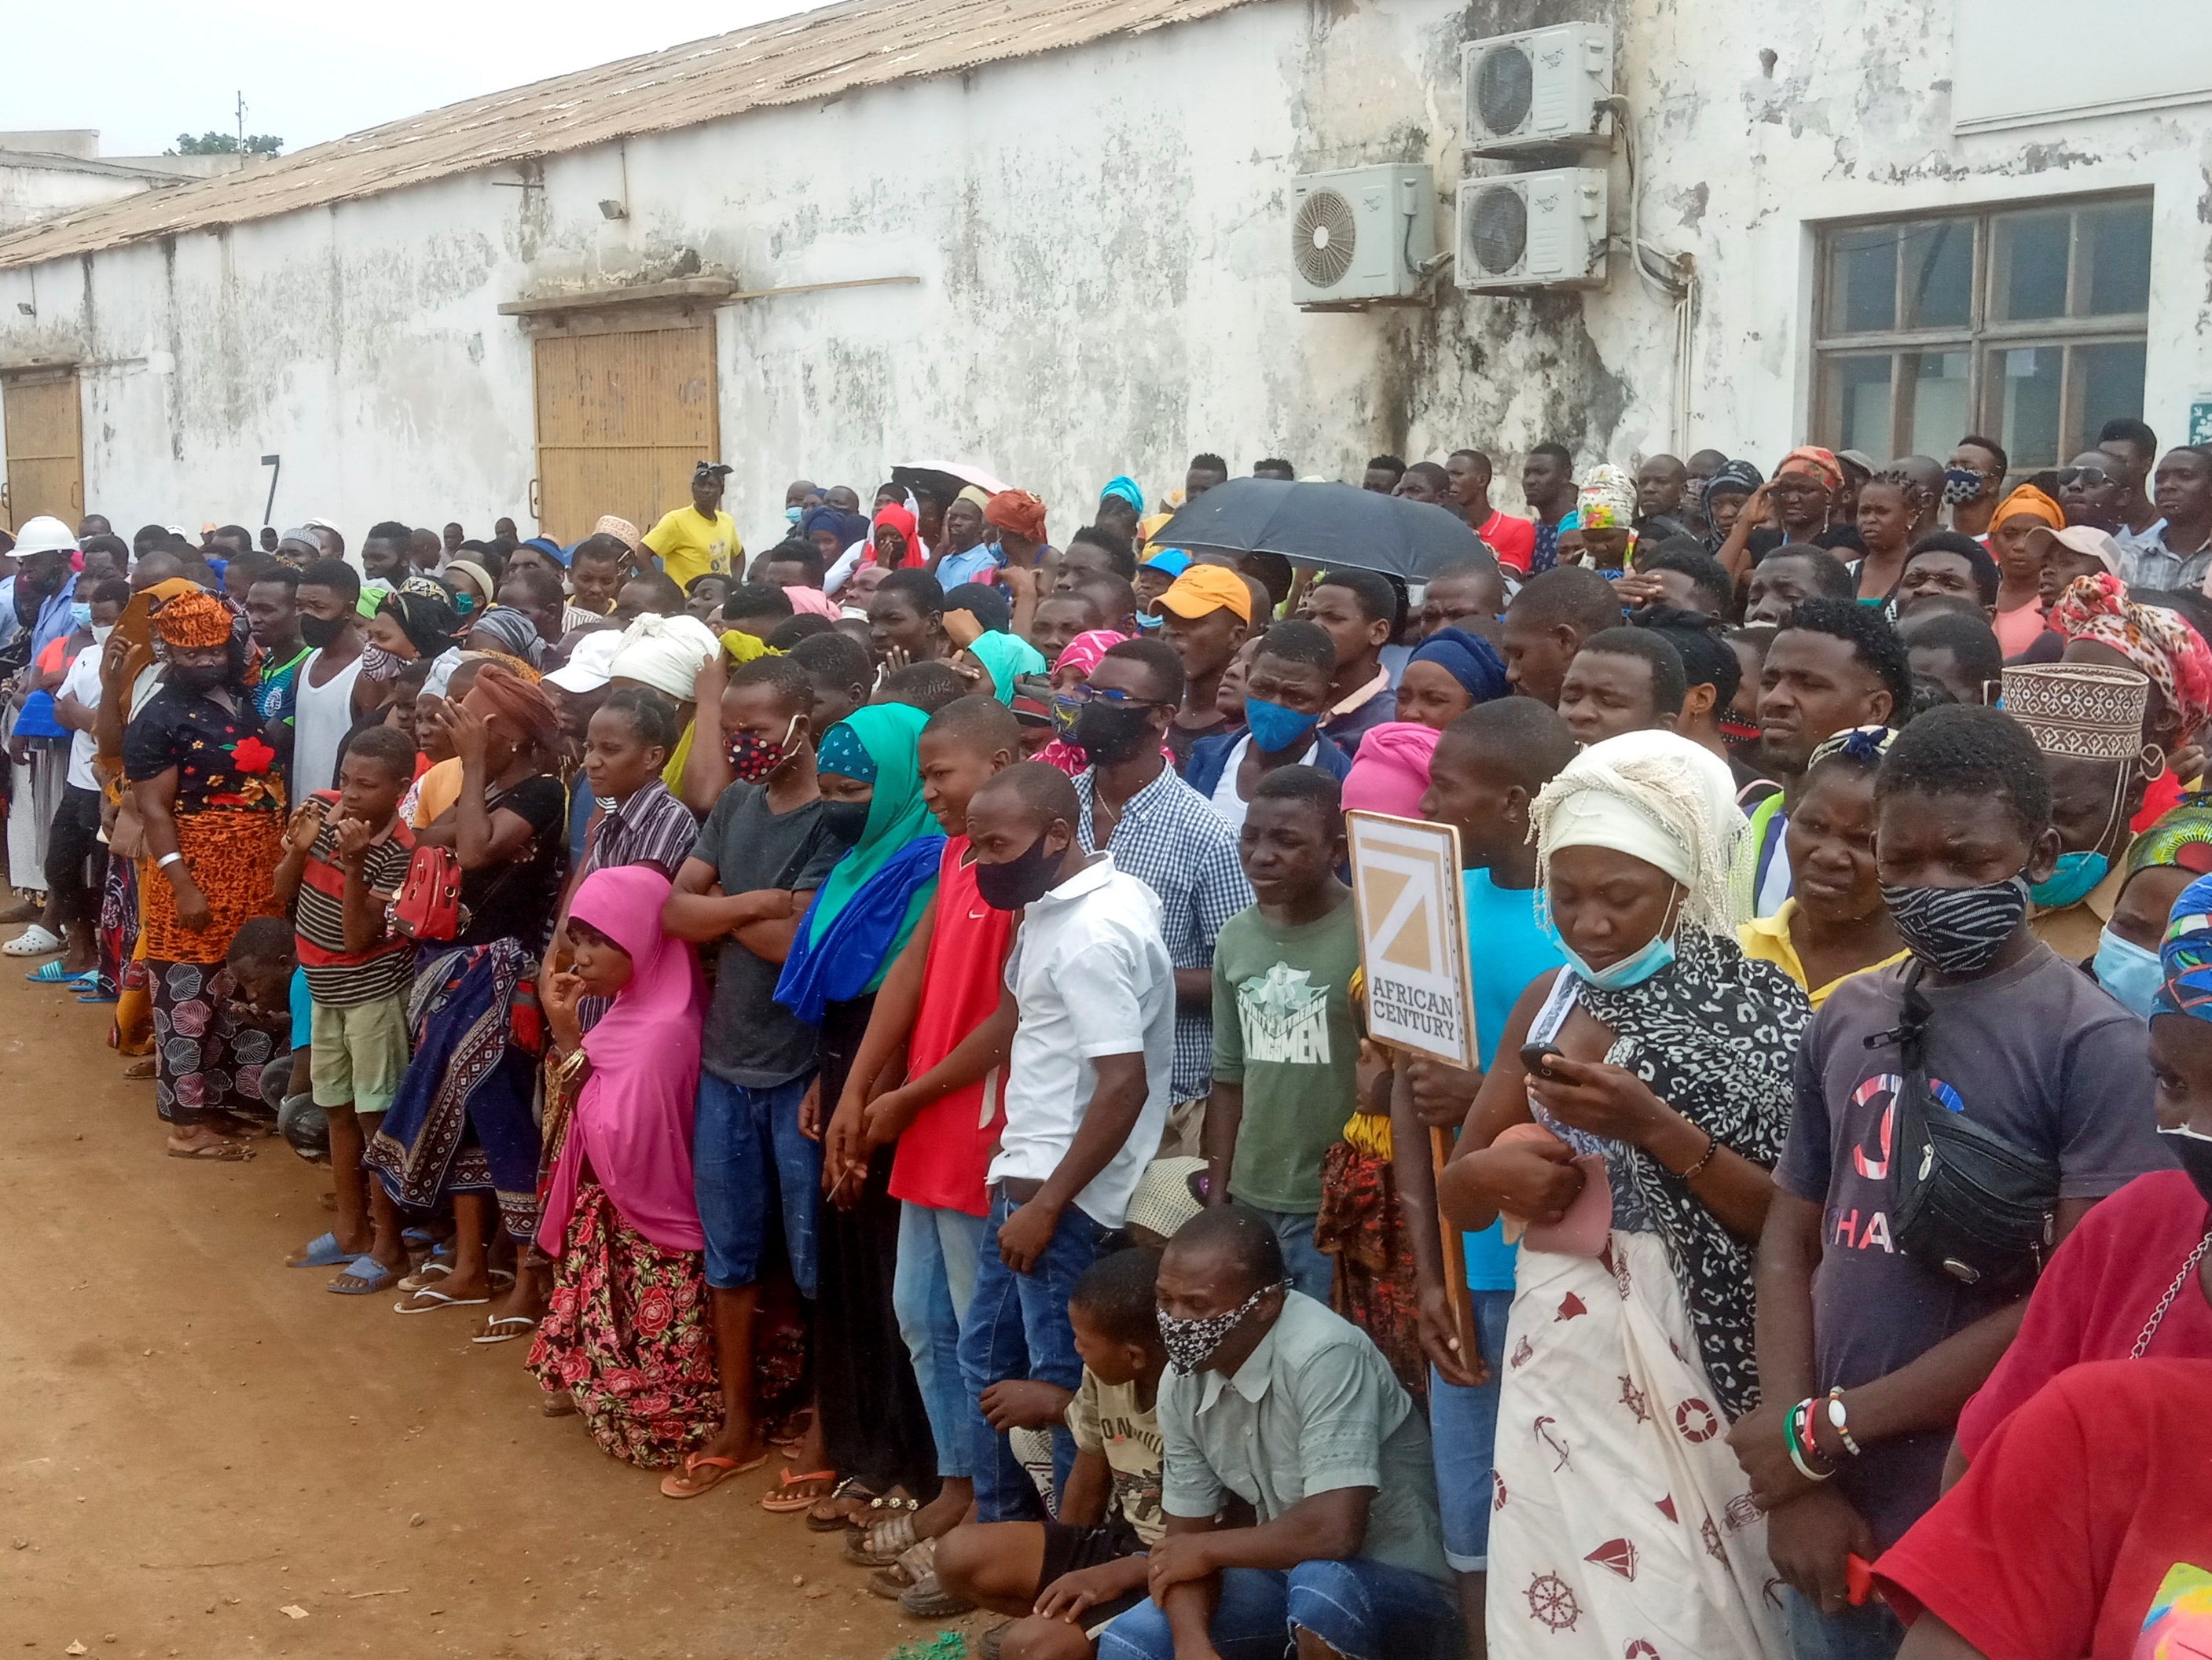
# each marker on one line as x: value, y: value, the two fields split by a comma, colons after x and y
x: 1766, y: 940
x: 689, y: 546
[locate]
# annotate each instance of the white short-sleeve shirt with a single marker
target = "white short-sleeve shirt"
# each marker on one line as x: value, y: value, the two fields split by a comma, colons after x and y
x: 1091, y: 977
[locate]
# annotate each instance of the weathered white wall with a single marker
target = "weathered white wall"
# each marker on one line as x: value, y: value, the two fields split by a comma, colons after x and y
x: 1102, y: 240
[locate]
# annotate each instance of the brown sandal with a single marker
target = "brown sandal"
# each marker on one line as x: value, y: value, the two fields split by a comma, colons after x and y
x: 702, y: 1472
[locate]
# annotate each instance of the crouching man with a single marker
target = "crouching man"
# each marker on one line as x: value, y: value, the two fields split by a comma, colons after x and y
x: 1273, y: 1399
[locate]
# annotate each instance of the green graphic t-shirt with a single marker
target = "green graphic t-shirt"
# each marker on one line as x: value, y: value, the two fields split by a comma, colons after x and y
x: 1283, y: 1029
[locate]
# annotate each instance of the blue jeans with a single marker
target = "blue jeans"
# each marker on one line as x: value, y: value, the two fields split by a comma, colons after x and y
x: 1363, y: 1610
x: 1312, y: 1270
x: 748, y: 1162
x: 1017, y: 1327
x: 1463, y: 1439
x: 931, y: 1290
x: 1868, y: 1632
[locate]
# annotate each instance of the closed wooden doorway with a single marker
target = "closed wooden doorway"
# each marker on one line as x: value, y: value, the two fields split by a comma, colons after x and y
x: 623, y: 419
x: 46, y: 446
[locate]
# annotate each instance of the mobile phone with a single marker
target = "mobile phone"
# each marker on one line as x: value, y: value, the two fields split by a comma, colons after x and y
x: 1535, y: 1058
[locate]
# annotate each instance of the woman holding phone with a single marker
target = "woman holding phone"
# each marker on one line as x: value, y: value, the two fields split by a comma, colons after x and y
x: 1640, y: 1096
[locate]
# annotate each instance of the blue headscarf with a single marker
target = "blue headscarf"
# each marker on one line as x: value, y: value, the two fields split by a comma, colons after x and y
x: 1127, y: 488
x: 551, y: 549
x: 2186, y: 956
x: 866, y: 910
x: 1468, y: 659
x: 847, y: 527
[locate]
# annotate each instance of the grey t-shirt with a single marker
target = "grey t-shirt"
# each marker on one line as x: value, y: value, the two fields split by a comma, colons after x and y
x: 2038, y: 1053
x: 751, y: 1039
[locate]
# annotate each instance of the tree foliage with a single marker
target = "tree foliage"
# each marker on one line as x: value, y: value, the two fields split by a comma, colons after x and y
x: 225, y: 143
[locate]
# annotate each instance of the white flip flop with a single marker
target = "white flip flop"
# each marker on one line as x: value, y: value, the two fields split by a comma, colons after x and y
x: 37, y: 940
x: 429, y: 1300
x: 494, y: 1332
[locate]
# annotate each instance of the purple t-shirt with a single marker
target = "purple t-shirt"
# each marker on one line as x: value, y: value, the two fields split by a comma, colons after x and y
x: 2038, y: 1053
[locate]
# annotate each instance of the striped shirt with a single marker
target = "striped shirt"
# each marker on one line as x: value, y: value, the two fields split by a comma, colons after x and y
x: 651, y: 828
x: 335, y: 977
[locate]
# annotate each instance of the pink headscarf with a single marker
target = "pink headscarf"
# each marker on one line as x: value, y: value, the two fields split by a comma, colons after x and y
x: 812, y: 602
x: 1085, y: 650
x: 1391, y: 773
x: 633, y: 1120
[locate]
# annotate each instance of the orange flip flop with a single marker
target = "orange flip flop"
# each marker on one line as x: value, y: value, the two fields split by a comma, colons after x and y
x: 781, y: 1500
x: 690, y: 1484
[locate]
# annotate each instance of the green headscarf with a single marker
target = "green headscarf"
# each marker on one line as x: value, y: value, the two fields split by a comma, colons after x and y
x: 2187, y: 824
x: 889, y: 733
x: 1006, y: 655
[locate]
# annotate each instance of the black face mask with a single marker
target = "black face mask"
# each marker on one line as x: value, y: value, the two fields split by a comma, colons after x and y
x: 321, y: 631
x: 846, y: 820
x: 1110, y: 736
x: 2192, y: 1152
x: 1021, y: 880
x: 196, y: 678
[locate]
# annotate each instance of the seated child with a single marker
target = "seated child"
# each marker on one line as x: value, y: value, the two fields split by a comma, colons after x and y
x: 1064, y: 1580
x: 261, y: 962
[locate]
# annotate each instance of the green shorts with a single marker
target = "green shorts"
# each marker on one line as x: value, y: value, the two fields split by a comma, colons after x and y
x: 359, y: 1052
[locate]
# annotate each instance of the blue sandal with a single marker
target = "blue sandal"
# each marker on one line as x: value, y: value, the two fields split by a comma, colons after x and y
x: 52, y: 973
x: 323, y: 1252
x: 368, y: 1274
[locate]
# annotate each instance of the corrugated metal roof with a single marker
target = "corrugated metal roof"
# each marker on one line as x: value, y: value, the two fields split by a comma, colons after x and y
x: 792, y: 60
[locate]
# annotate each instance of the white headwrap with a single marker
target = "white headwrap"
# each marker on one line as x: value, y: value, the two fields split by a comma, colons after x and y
x: 664, y: 653
x: 1657, y: 797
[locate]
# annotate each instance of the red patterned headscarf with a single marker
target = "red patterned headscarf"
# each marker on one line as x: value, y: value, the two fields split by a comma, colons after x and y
x: 193, y: 622
x: 2158, y: 641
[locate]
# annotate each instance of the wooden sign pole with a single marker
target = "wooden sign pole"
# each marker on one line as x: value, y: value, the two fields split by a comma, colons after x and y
x: 1451, y: 1245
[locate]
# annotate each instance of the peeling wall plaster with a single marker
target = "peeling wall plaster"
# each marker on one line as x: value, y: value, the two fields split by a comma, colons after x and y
x: 1102, y: 243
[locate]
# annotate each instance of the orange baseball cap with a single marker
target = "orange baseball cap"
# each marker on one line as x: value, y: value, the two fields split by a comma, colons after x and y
x: 1204, y: 588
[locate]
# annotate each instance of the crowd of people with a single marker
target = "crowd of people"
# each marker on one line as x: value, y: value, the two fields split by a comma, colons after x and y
x: 893, y: 1000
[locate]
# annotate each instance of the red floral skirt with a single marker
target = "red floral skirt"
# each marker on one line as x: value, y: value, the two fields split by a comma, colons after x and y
x: 627, y: 1334
x: 1361, y: 1225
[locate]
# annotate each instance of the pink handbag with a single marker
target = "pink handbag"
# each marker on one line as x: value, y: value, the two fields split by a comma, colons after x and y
x: 1584, y: 1229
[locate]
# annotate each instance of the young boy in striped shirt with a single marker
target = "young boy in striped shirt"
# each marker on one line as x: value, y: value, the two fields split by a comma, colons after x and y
x: 346, y: 855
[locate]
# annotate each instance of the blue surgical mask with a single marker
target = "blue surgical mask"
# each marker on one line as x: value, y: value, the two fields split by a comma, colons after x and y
x: 1148, y: 624
x: 1275, y: 728
x: 464, y: 603
x: 792, y: 515
x: 2071, y: 883
x: 1658, y: 953
x: 2131, y: 973
x: 81, y: 613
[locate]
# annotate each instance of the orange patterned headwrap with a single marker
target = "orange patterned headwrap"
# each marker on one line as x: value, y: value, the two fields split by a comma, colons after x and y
x: 193, y: 621
x: 2030, y: 502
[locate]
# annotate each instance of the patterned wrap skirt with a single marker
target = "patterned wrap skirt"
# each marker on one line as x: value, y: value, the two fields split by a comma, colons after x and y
x: 1361, y: 1225
x: 206, y: 1059
x: 627, y: 1334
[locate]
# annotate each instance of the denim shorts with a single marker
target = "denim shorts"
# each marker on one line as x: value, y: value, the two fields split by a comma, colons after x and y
x: 750, y: 1163
x: 1463, y: 1439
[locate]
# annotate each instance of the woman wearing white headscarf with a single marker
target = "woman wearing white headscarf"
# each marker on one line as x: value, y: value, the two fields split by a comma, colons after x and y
x: 1639, y: 1158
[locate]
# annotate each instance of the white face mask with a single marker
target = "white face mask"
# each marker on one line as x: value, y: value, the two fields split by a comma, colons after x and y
x: 101, y: 632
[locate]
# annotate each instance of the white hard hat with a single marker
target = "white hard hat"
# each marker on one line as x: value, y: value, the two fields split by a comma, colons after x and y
x: 44, y: 534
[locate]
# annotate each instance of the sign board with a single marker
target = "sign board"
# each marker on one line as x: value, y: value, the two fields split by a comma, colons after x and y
x: 2200, y: 421
x: 1413, y: 935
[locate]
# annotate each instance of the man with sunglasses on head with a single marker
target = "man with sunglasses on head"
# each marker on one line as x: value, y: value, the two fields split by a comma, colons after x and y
x: 1163, y: 832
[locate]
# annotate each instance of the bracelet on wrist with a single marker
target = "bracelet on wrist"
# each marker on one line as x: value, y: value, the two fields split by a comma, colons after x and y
x: 1705, y: 1159
x: 1797, y: 1437
x: 1840, y: 1419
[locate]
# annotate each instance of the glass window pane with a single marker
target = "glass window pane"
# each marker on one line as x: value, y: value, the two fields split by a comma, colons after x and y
x: 1862, y: 280
x: 2115, y: 273
x: 2027, y: 265
x: 2022, y: 389
x: 1858, y: 399
x: 1938, y: 416
x: 1939, y: 274
x: 2111, y: 377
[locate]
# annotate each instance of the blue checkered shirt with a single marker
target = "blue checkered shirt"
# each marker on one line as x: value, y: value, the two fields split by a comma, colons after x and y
x: 1171, y: 839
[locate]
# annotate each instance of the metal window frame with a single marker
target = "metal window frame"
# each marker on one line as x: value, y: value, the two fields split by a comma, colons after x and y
x: 1980, y: 334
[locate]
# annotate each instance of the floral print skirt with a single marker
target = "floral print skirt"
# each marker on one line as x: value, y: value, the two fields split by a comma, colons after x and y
x: 629, y: 1334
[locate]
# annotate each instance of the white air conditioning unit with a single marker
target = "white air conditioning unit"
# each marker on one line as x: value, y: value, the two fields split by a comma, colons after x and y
x: 1361, y: 234
x: 1538, y: 88
x: 1532, y: 230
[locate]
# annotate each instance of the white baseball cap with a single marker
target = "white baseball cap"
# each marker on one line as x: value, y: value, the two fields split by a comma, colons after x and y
x: 44, y: 534
x: 590, y: 664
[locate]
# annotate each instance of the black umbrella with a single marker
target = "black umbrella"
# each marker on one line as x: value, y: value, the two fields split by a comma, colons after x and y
x: 1323, y: 525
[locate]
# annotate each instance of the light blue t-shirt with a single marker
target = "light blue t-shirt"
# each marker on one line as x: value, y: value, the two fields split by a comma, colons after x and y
x: 1515, y: 950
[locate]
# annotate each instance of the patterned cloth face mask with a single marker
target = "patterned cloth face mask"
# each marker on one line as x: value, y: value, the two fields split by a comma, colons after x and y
x: 1957, y: 930
x: 753, y: 758
x: 1191, y: 1343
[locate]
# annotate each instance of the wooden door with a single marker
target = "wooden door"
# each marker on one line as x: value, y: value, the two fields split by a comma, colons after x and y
x: 45, y: 447
x: 623, y: 420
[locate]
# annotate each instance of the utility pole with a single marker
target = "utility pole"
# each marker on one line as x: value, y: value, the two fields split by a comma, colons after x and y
x: 242, y: 122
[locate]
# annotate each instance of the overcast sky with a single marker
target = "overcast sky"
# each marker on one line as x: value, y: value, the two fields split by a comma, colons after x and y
x: 143, y: 72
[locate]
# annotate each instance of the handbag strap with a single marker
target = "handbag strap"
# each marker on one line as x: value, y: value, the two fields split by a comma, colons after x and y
x: 1908, y: 1125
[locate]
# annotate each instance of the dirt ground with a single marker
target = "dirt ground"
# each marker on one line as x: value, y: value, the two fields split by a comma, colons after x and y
x: 194, y: 1438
